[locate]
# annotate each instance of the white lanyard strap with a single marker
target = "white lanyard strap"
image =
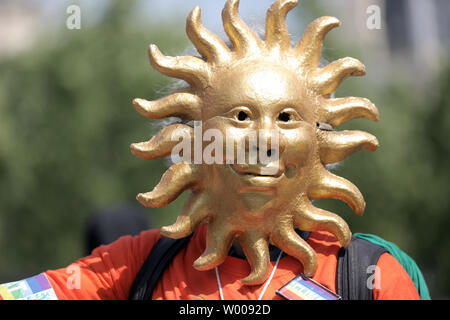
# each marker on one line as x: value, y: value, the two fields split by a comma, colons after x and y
x: 219, y: 284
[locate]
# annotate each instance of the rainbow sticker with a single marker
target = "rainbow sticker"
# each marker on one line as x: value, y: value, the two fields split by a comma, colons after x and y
x: 33, y: 288
x: 303, y: 288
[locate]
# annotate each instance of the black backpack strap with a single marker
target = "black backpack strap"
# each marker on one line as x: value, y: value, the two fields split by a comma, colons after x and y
x: 353, y: 269
x: 163, y: 252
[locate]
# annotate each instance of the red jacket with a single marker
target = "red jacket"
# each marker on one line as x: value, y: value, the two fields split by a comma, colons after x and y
x: 110, y: 270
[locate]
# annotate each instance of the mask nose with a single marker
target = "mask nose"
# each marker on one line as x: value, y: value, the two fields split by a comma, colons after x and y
x: 267, y: 150
x: 269, y: 140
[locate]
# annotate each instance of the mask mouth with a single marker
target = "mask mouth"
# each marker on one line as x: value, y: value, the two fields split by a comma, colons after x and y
x: 272, y: 170
x: 259, y: 178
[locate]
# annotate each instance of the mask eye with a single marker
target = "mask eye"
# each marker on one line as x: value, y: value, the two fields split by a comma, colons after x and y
x: 288, y: 115
x: 243, y: 116
x: 284, y: 117
x: 239, y: 114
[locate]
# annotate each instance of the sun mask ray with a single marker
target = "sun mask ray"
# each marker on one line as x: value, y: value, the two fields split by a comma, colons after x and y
x: 241, y: 36
x: 327, y: 79
x: 181, y: 104
x: 277, y: 34
x: 285, y: 237
x: 176, y: 179
x: 163, y: 143
x: 311, y: 218
x: 328, y: 185
x: 337, y: 146
x: 191, y: 69
x: 340, y: 110
x: 195, y: 211
x: 207, y: 43
x: 219, y: 238
x: 309, y: 48
x: 256, y: 249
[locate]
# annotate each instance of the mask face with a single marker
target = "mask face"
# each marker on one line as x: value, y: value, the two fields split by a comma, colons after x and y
x: 264, y: 105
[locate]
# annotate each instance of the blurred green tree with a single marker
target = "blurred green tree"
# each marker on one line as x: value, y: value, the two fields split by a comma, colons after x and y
x: 66, y: 123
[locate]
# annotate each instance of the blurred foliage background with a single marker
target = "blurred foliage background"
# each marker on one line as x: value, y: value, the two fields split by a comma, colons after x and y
x: 66, y: 123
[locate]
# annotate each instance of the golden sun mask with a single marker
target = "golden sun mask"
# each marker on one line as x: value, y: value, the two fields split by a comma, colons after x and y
x: 258, y: 85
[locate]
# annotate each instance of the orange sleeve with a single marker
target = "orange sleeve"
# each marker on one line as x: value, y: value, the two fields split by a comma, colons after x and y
x: 106, y: 274
x: 392, y: 282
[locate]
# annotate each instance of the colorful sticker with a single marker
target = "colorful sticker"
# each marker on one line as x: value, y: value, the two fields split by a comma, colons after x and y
x: 304, y: 288
x: 33, y: 288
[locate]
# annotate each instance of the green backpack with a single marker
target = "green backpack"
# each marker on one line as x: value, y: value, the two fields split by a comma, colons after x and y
x: 406, y: 261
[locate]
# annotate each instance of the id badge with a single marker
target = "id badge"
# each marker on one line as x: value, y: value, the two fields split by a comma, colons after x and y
x: 304, y: 288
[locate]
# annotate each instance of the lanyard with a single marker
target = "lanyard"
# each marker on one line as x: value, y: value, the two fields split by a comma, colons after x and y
x: 265, y: 285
